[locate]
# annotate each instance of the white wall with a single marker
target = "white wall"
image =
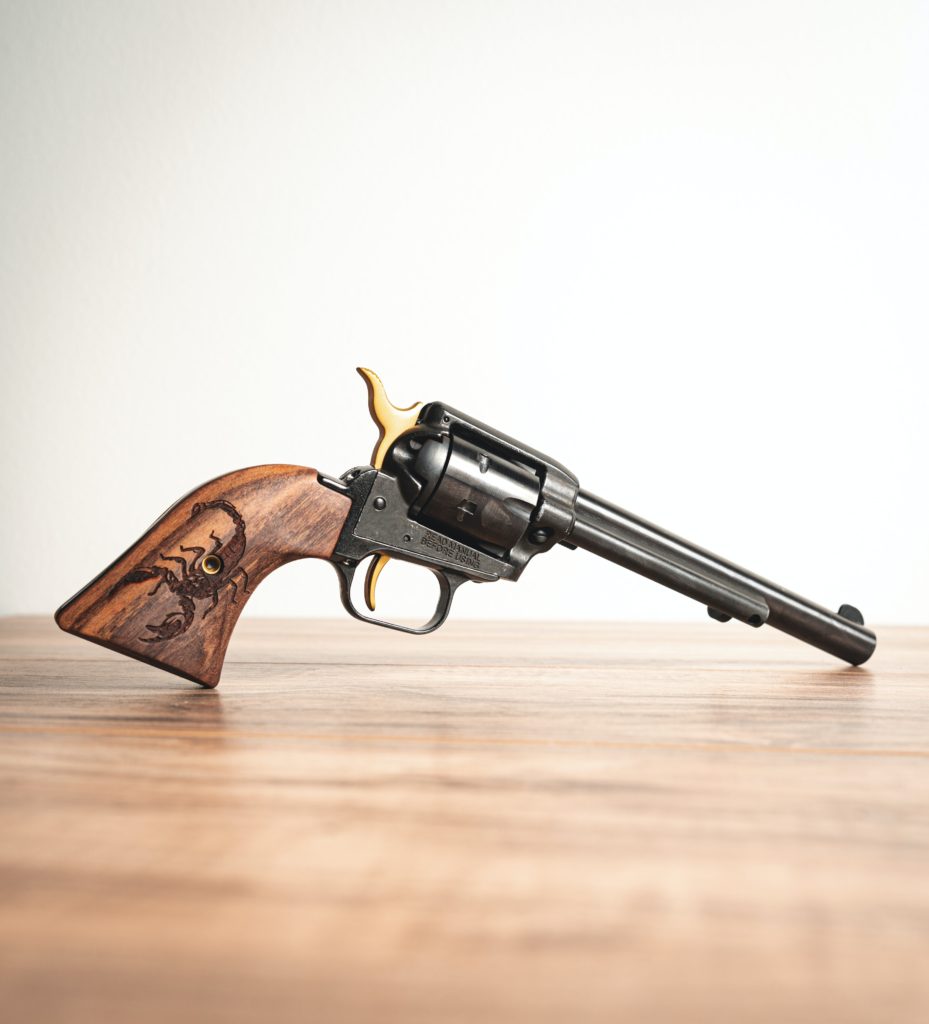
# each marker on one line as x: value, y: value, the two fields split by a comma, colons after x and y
x: 680, y: 246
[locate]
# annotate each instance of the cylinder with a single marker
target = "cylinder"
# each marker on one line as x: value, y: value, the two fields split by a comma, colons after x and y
x: 726, y: 589
x: 474, y: 494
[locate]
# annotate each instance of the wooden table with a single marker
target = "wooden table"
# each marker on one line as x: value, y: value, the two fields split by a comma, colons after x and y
x: 502, y: 822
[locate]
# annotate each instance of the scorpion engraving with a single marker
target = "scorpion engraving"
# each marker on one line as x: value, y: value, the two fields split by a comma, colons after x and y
x: 194, y: 583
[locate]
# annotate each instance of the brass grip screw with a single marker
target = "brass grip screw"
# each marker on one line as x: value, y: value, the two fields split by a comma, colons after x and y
x: 212, y: 564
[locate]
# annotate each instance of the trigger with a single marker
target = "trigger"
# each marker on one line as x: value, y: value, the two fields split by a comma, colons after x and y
x: 374, y: 570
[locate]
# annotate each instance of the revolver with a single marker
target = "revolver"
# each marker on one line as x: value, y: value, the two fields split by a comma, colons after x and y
x: 443, y: 491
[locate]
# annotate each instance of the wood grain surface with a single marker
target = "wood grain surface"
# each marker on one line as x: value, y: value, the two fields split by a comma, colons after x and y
x: 174, y: 597
x: 500, y: 822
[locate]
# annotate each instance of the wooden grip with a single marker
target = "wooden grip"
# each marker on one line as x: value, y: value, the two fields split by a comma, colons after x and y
x: 173, y: 598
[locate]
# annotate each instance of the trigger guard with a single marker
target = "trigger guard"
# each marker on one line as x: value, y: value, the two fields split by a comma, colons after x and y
x: 449, y: 582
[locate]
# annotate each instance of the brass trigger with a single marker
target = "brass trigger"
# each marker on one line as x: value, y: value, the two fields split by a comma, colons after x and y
x: 391, y: 420
x: 374, y: 570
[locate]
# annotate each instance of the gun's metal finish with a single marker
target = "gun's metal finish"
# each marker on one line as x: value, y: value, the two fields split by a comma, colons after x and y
x: 471, y: 504
x: 728, y: 590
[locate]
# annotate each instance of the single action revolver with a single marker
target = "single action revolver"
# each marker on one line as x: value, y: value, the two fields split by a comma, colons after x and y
x: 443, y: 491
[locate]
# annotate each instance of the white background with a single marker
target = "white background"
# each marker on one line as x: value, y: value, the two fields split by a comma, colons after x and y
x: 682, y: 247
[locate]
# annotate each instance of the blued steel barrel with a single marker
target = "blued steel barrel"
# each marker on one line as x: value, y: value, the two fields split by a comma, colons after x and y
x: 727, y: 590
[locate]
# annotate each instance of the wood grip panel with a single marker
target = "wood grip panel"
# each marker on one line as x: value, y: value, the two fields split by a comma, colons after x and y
x: 173, y: 598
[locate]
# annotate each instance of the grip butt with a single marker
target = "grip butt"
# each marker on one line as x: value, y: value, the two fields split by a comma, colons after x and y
x: 173, y: 599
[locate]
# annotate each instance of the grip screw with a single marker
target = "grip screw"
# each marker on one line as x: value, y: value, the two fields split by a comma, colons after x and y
x: 212, y: 564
